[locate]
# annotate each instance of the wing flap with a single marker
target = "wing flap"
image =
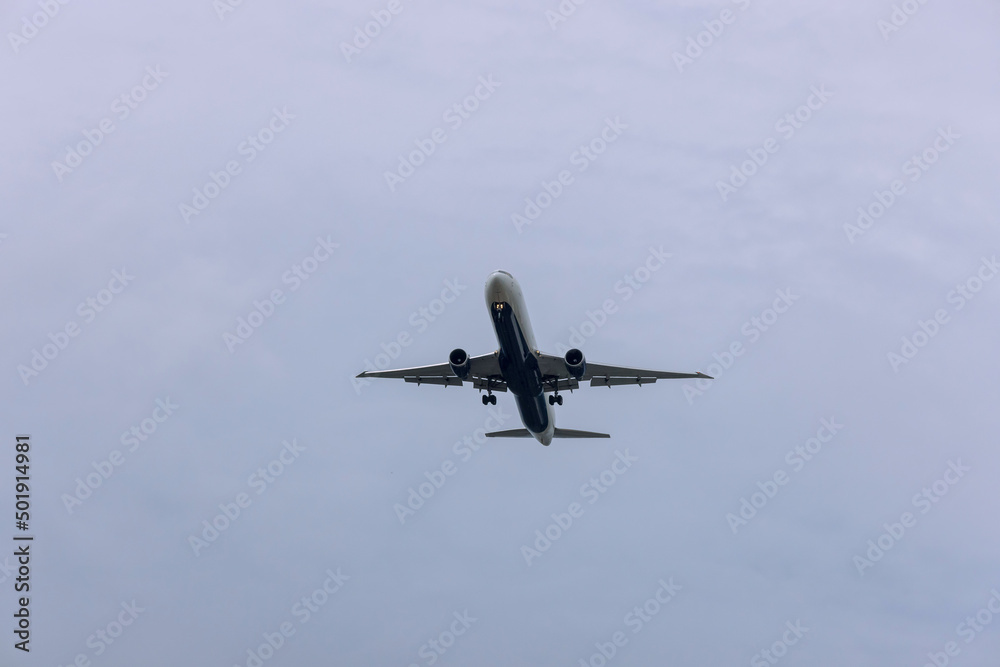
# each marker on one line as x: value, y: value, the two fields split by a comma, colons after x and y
x: 487, y: 383
x: 564, y: 384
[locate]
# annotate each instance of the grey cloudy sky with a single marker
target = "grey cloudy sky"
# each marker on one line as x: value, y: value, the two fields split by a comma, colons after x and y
x: 206, y: 155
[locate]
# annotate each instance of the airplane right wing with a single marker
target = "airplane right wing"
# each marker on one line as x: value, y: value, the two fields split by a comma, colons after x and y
x: 601, y: 375
x: 553, y: 368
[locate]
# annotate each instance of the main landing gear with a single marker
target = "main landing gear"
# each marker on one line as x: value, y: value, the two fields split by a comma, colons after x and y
x: 489, y: 398
x: 554, y: 397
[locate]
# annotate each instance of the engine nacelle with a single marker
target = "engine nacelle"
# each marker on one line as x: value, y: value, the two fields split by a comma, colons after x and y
x: 576, y: 365
x: 460, y: 363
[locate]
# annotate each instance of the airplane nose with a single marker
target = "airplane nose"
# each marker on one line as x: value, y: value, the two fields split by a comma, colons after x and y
x: 495, y: 286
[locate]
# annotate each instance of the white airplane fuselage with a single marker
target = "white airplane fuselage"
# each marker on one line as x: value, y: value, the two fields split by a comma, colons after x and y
x: 517, y: 358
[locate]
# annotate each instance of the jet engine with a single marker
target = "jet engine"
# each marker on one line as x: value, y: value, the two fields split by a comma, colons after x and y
x: 459, y: 361
x: 575, y: 363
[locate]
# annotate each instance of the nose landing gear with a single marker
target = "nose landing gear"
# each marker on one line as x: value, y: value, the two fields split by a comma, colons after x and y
x: 555, y: 399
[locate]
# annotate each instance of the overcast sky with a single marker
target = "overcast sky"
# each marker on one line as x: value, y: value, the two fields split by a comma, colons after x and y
x: 217, y: 214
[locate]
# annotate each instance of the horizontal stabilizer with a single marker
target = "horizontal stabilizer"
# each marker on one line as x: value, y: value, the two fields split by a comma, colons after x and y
x: 512, y: 433
x: 570, y: 433
x: 559, y: 433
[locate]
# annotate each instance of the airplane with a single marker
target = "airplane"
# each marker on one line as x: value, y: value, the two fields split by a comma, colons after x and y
x: 519, y: 366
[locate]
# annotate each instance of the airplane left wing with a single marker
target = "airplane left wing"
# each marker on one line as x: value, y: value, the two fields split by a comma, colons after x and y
x: 484, y: 373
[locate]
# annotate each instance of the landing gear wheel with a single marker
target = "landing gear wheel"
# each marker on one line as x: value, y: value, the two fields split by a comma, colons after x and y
x: 486, y: 400
x: 552, y: 399
x: 559, y: 400
x: 493, y: 400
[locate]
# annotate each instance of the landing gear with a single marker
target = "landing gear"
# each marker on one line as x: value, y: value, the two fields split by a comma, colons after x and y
x: 489, y: 398
x: 554, y: 397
